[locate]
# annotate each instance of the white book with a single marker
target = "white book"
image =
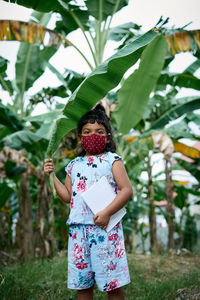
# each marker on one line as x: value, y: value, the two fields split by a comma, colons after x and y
x: 100, y: 195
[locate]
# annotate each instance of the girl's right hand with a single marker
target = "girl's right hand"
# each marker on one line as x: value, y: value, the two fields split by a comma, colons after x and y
x: 48, y: 166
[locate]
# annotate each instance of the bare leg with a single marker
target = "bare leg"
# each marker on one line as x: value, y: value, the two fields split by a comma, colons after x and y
x: 117, y: 294
x: 86, y: 294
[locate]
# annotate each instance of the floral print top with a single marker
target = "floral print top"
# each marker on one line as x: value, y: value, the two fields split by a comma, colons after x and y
x: 84, y: 172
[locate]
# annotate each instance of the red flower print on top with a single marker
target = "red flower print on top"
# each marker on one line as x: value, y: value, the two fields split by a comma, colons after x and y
x: 90, y: 159
x: 113, y: 237
x: 72, y: 203
x: 113, y: 284
x: 81, y: 265
x: 73, y: 236
x: 81, y: 186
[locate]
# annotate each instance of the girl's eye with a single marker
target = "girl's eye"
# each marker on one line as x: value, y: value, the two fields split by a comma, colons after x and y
x: 101, y: 132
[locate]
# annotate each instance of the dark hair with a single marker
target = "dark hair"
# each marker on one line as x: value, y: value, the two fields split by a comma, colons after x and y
x: 98, y: 114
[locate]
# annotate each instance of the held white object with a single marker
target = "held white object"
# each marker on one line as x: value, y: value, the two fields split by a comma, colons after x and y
x: 100, y: 195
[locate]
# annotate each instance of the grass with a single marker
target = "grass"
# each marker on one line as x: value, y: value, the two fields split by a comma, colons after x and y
x: 152, y: 278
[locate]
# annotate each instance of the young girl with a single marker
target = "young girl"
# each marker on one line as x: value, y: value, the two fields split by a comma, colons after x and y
x: 94, y: 255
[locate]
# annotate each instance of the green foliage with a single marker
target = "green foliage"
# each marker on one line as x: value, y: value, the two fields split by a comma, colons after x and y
x: 25, y: 139
x: 95, y: 87
x: 4, y: 82
x: 40, y: 5
x: 104, y: 7
x: 123, y: 31
x: 9, y: 119
x: 30, y: 65
x: 190, y: 104
x: 5, y: 193
x: 152, y: 277
x: 190, y: 167
x: 132, y: 98
x: 189, y: 233
x: 181, y: 80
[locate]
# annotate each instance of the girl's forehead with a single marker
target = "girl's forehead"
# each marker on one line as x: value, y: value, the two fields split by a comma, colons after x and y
x: 93, y: 126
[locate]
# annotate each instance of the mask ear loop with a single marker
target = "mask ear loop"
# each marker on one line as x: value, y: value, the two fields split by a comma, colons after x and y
x: 108, y: 137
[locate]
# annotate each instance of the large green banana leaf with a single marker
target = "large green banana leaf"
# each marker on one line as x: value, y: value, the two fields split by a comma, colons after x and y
x: 9, y: 119
x: 181, y: 80
x: 177, y: 111
x: 194, y: 118
x: 101, y: 9
x: 134, y: 94
x: 180, y: 130
x: 40, y: 5
x: 30, y: 65
x: 190, y: 167
x: 103, y: 79
x: 4, y: 82
x: 191, y: 69
x: 25, y: 139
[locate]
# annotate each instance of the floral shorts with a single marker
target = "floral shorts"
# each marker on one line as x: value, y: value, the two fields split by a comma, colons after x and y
x: 95, y: 256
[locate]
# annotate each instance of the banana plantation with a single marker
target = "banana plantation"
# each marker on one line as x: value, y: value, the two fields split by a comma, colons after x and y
x: 156, y: 131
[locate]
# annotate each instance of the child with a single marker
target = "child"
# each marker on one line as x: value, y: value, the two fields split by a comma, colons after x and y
x: 94, y: 255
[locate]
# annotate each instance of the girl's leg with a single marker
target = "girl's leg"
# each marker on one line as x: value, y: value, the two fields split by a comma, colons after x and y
x: 86, y: 294
x: 117, y: 294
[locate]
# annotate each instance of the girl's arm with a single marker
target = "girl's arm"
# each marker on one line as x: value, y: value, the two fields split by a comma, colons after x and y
x: 64, y: 191
x: 119, y: 173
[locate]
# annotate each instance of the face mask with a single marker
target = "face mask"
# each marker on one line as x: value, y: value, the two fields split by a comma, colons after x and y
x: 93, y: 143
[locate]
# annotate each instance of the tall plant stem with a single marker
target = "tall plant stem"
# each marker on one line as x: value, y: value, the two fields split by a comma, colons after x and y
x: 83, y: 31
x: 84, y: 57
x: 4, y: 84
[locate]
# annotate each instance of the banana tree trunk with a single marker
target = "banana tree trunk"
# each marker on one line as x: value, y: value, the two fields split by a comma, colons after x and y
x: 43, y: 226
x: 152, y: 214
x: 26, y: 218
x: 170, y: 204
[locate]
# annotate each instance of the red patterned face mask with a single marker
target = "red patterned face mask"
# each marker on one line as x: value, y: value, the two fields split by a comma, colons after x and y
x: 93, y: 143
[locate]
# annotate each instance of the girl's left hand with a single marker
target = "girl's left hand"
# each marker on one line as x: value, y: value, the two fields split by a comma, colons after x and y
x: 101, y: 219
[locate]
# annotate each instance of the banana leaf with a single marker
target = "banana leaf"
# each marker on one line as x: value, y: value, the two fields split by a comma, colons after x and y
x: 191, y: 69
x: 190, y: 167
x: 180, y: 130
x: 101, y: 9
x: 181, y: 80
x: 4, y: 82
x: 134, y: 94
x: 40, y: 5
x: 5, y: 193
x: 30, y: 65
x: 194, y: 118
x: 25, y: 139
x: 183, y: 41
x: 103, y: 79
x: 9, y: 119
x: 177, y: 111
x: 32, y: 33
x: 12, y: 170
x: 46, y: 117
x: 122, y: 31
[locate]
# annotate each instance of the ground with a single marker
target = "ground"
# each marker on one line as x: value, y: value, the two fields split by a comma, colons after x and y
x: 153, y: 277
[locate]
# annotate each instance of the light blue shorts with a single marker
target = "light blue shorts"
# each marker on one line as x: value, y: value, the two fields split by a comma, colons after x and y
x: 95, y: 256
